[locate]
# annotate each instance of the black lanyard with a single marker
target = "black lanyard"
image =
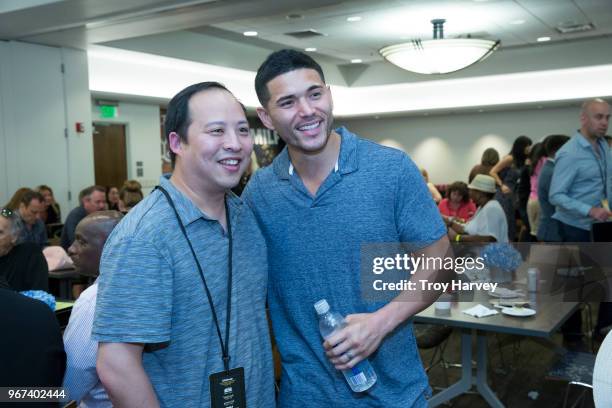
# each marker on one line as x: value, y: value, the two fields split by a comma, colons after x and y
x: 224, y: 345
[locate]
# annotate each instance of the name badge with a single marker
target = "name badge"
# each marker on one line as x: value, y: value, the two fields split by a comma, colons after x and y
x: 227, y: 389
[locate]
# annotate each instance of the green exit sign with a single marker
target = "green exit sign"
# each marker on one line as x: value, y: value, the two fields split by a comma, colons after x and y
x: 108, y: 111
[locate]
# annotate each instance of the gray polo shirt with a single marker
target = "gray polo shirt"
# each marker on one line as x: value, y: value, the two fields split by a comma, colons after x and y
x: 150, y: 292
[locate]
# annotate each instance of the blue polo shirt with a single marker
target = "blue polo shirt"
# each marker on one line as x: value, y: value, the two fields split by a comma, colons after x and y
x: 580, y: 181
x: 376, y: 195
x: 150, y: 292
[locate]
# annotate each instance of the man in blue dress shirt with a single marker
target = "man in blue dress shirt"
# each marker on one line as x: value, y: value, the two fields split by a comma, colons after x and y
x: 581, y: 188
x: 581, y: 185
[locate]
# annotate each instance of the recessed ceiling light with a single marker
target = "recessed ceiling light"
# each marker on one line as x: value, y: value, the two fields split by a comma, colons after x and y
x: 250, y: 33
x: 353, y: 19
x: 517, y: 22
x: 310, y: 49
x: 543, y: 39
x: 356, y: 61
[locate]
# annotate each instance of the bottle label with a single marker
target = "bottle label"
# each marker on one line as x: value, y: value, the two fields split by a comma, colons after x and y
x: 357, y: 380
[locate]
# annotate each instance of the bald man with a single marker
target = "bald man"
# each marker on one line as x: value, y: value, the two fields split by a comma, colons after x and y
x: 580, y: 189
x: 81, y: 380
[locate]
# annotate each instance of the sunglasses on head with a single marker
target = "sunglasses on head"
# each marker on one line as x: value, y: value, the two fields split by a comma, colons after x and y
x: 6, y: 212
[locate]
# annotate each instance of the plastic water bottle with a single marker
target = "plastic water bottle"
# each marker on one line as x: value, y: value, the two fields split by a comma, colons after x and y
x: 533, y: 275
x: 362, y: 376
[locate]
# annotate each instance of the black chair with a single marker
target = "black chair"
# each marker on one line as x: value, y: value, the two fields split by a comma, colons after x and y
x: 433, y: 336
x: 576, y: 368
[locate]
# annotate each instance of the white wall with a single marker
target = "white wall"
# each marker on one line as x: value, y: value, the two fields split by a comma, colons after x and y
x: 142, y: 139
x: 448, y: 146
x: 38, y: 102
x: 80, y: 145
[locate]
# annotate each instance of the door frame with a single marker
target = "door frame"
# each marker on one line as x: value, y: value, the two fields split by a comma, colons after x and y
x: 128, y: 152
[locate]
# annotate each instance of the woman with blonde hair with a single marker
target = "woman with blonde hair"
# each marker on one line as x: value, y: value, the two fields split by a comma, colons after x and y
x: 52, y: 213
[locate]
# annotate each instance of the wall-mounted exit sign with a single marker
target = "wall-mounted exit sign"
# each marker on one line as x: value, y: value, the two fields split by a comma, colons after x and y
x: 108, y: 111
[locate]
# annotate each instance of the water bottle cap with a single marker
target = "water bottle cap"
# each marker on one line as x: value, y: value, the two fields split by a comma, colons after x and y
x: 322, y: 306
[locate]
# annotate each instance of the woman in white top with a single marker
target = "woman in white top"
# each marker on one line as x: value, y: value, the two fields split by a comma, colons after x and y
x: 489, y: 223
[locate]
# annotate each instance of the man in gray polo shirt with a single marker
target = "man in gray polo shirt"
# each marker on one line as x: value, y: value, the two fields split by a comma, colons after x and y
x: 160, y: 320
x: 324, y: 196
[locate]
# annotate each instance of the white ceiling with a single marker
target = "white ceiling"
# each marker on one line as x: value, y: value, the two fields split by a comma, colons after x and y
x: 514, y: 22
x: 210, y: 31
x: 81, y: 22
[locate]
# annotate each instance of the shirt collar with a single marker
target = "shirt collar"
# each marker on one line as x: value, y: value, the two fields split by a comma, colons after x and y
x: 187, y: 210
x: 346, y: 163
x: 583, y: 141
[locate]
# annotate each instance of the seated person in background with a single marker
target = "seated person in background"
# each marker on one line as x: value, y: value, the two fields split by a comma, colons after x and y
x: 489, y: 223
x: 31, y: 348
x: 23, y: 266
x: 92, y: 199
x: 13, y: 203
x: 29, y: 205
x: 81, y: 381
x: 130, y: 195
x: 435, y: 194
x: 52, y: 213
x: 458, y: 205
x: 112, y: 199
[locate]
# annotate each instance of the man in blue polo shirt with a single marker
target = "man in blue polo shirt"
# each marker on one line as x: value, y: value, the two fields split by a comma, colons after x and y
x: 182, y: 287
x: 324, y: 196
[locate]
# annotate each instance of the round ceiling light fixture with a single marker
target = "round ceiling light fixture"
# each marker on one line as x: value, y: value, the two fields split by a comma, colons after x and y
x: 440, y: 55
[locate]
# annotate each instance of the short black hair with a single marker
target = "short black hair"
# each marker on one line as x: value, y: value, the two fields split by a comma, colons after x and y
x: 553, y: 143
x: 278, y: 63
x: 177, y: 115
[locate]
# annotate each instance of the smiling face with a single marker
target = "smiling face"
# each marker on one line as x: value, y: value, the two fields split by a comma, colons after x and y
x: 299, y: 110
x: 48, y: 196
x: 219, y: 143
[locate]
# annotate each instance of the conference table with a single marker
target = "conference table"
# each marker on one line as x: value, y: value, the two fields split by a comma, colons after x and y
x: 550, y: 314
x: 63, y: 308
